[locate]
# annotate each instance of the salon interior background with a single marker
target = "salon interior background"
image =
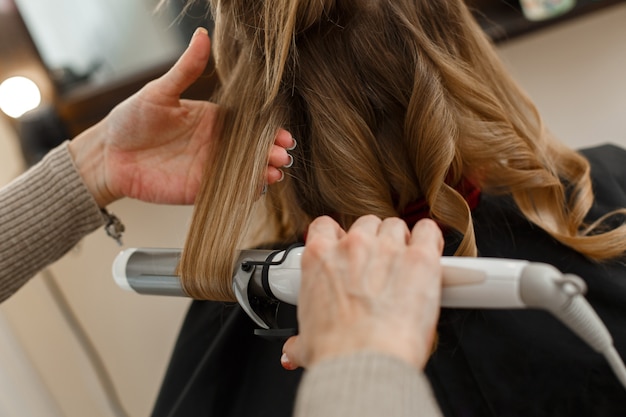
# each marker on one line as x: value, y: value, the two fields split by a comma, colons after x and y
x: 573, y: 67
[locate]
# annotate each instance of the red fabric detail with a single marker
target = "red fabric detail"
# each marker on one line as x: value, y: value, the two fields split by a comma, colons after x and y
x: 419, y: 209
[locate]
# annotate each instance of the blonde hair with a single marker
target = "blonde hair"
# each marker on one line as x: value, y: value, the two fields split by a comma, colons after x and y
x: 391, y: 101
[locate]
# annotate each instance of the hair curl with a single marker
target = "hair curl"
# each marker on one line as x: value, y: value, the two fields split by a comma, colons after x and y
x: 390, y: 101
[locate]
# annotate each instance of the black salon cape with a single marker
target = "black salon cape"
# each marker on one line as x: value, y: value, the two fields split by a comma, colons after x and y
x: 503, y: 363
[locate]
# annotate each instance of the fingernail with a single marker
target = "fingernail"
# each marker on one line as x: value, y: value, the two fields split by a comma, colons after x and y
x: 282, y: 175
x: 288, y: 165
x: 295, y: 143
x: 199, y: 31
x: 286, y: 363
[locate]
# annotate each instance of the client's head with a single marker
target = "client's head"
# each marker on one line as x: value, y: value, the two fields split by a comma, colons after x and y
x: 391, y: 101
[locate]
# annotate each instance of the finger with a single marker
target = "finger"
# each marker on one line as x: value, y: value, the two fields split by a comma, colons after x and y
x: 325, y: 226
x: 279, y: 157
x: 290, y: 358
x: 427, y: 232
x: 284, y: 139
x: 273, y: 175
x: 189, y: 66
x: 368, y: 224
x: 396, y: 229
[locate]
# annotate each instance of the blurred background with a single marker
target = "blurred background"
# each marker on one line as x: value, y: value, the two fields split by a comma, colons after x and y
x: 69, y: 62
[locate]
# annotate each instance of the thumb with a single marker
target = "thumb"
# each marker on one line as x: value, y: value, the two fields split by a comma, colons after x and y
x: 189, y: 66
x: 291, y: 358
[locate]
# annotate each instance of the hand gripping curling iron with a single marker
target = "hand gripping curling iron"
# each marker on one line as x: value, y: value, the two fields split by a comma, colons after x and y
x: 265, y: 278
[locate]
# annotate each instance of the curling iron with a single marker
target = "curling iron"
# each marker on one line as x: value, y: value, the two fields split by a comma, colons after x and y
x: 265, y: 278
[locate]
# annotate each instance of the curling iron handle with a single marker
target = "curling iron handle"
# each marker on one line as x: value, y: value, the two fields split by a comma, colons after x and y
x: 467, y: 282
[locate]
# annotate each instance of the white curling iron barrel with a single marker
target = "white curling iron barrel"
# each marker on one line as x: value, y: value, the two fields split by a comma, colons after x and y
x: 264, y: 278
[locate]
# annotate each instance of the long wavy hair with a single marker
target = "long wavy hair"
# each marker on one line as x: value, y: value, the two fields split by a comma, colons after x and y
x: 390, y: 101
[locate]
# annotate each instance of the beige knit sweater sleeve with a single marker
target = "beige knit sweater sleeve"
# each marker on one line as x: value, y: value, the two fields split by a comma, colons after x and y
x: 365, y: 384
x: 43, y: 214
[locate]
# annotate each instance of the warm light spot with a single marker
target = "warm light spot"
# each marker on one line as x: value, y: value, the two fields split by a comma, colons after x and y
x: 18, y: 95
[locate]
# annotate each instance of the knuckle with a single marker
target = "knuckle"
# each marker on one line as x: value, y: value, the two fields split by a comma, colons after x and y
x: 395, y: 222
x: 320, y: 222
x: 425, y: 255
x: 371, y: 217
x: 356, y: 238
x: 315, y: 248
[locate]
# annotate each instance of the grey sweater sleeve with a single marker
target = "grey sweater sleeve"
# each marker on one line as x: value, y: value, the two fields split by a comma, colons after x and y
x: 365, y: 384
x: 43, y: 214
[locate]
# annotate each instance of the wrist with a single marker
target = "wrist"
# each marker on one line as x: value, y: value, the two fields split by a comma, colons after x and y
x: 394, y: 342
x: 88, y: 153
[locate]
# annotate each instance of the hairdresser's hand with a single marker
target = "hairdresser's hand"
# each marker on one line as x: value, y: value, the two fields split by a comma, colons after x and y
x: 376, y: 287
x: 154, y: 145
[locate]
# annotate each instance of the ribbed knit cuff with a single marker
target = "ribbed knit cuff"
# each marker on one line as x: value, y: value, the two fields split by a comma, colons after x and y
x: 43, y: 214
x: 365, y: 384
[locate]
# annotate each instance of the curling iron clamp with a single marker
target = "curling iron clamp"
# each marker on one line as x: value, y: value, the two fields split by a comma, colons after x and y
x: 265, y: 278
